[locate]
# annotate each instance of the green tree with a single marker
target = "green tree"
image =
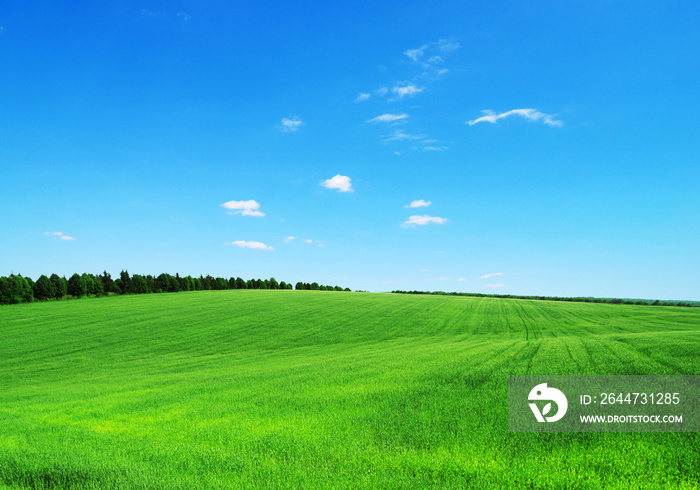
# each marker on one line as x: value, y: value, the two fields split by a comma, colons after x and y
x: 43, y: 288
x: 76, y: 286
x: 60, y: 285
x: 107, y: 282
x: 139, y: 284
x: 126, y: 285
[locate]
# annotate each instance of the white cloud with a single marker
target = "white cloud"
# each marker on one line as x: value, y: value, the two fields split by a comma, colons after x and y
x: 289, y: 239
x: 419, y: 203
x: 401, y: 135
x: 462, y: 279
x: 424, y: 220
x: 253, y: 245
x: 447, y: 46
x: 184, y: 16
x: 443, y: 278
x: 499, y: 285
x: 389, y: 118
x: 442, y: 47
x: 59, y: 235
x: 529, y: 114
x: 406, y: 90
x: 245, y: 208
x: 362, y: 97
x: 492, y: 275
x: 416, y: 54
x: 381, y: 91
x: 340, y: 182
x: 434, y: 148
x: 291, y: 125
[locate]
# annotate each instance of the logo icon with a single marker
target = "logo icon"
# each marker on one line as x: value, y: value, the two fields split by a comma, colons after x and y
x: 542, y: 393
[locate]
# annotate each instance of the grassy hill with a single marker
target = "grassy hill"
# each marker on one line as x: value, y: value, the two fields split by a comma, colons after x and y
x: 226, y: 389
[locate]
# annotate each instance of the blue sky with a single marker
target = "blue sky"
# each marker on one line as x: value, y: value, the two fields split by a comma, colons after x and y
x: 541, y: 147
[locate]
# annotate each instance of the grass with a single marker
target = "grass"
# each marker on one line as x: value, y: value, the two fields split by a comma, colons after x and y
x: 306, y: 389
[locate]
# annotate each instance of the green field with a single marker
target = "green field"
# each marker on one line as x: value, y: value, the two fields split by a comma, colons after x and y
x: 307, y: 389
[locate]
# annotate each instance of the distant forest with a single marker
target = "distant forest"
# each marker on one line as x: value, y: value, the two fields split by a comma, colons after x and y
x: 18, y: 289
x: 579, y: 299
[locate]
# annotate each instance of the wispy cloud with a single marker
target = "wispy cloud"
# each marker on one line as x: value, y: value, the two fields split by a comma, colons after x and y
x: 462, y: 279
x: 401, y: 135
x: 434, y: 148
x: 529, y: 114
x: 340, y: 182
x: 58, y: 235
x: 362, y: 97
x: 499, y: 285
x: 289, y: 239
x: 291, y: 125
x: 492, y: 275
x: 389, y: 118
x: 308, y: 241
x: 402, y: 91
x: 430, y: 55
x: 183, y: 16
x: 417, y: 53
x: 150, y: 13
x: 424, y: 220
x: 245, y: 208
x: 253, y: 245
x: 419, y: 203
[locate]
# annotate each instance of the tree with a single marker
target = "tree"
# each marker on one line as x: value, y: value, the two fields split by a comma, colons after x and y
x: 161, y: 283
x: 240, y: 283
x: 127, y: 286
x: 15, y: 289
x: 90, y: 286
x: 274, y: 284
x: 107, y: 282
x: 314, y: 286
x: 43, y: 288
x: 60, y: 285
x: 76, y: 286
x: 139, y: 285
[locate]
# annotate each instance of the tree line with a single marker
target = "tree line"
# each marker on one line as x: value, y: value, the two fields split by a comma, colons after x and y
x: 16, y: 288
x: 614, y: 301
